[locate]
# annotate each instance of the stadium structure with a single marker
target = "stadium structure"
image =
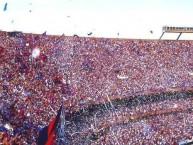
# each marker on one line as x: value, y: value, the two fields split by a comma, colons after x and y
x: 79, y: 90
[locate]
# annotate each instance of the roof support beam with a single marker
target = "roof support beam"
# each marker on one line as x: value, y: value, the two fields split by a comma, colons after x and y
x: 179, y: 36
x: 161, y: 36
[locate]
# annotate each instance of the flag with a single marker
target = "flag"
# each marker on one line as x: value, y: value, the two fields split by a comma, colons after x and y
x: 46, y: 135
x: 89, y: 34
x: 44, y: 34
x: 5, y: 7
x: 63, y: 35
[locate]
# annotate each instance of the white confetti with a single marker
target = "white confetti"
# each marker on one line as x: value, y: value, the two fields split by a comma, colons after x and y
x: 35, y: 52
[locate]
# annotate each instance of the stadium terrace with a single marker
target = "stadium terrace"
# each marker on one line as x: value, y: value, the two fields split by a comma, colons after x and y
x: 113, y: 91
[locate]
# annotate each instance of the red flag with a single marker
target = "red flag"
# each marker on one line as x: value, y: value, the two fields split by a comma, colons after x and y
x: 46, y: 135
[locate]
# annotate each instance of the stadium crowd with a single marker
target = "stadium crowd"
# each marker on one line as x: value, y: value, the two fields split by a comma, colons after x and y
x: 102, y: 120
x: 78, y: 72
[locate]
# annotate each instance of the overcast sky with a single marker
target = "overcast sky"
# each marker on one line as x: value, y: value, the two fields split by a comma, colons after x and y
x: 104, y: 18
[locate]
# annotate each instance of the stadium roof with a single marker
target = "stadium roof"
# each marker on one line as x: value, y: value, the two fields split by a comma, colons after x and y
x: 97, y: 18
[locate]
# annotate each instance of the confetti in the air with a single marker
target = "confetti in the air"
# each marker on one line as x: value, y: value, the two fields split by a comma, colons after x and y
x: 35, y: 52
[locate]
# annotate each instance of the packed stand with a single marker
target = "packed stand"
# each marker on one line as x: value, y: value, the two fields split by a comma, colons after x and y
x: 79, y: 72
x: 95, y: 125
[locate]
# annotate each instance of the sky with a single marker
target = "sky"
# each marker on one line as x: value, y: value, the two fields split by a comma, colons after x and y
x: 133, y: 19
